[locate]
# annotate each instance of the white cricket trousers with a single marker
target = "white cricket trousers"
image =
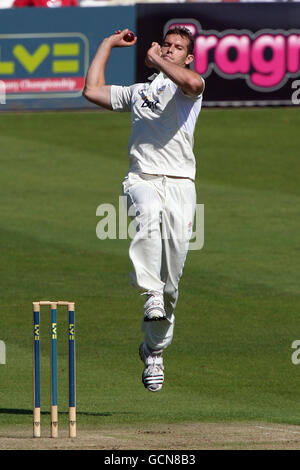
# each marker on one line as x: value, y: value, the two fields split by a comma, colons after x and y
x: 163, y: 210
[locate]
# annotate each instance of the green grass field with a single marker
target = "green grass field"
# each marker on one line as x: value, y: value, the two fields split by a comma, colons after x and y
x: 239, y: 302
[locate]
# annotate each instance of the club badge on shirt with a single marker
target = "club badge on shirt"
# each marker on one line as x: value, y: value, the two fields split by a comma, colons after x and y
x: 147, y: 102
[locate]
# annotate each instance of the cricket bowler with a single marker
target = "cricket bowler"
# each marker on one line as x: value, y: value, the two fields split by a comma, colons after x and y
x: 159, y: 185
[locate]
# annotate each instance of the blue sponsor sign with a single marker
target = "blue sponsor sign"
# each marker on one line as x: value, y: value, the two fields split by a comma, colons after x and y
x: 45, y: 54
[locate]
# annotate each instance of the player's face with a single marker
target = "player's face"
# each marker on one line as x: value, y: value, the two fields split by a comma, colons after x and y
x: 175, y: 49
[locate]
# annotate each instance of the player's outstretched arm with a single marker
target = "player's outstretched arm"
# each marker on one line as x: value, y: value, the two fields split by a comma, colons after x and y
x: 96, y: 90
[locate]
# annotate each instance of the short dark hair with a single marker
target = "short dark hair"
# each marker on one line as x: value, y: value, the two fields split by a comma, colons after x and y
x: 185, y: 33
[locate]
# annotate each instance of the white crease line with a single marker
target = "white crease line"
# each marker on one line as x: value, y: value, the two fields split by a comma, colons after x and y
x: 279, y: 430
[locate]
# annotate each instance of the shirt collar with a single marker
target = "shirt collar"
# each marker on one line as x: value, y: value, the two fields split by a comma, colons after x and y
x: 152, y: 77
x: 155, y: 75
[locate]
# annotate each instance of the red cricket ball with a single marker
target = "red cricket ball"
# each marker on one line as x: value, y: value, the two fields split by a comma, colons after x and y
x: 129, y: 37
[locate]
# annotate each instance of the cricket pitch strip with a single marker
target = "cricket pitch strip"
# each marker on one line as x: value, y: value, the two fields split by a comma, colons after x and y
x: 175, y: 436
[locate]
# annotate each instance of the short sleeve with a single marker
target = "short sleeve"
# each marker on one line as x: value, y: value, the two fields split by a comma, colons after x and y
x: 190, y: 97
x: 121, y: 97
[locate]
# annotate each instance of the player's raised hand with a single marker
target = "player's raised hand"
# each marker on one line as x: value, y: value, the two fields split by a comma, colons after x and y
x: 122, y: 38
x: 152, y: 54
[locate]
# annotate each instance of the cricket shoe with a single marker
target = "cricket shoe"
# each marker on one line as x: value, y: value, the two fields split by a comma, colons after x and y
x: 153, y: 373
x: 154, y: 307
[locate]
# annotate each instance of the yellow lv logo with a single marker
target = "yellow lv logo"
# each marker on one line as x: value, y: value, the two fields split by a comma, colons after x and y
x: 31, y: 61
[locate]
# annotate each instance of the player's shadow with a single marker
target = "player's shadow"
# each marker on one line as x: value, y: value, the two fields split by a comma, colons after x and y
x: 21, y: 411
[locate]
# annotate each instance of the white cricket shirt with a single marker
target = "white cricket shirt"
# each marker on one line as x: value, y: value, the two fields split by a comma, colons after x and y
x: 163, y: 121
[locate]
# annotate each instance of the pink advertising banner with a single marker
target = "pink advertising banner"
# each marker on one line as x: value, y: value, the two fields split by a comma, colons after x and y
x: 249, y: 54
